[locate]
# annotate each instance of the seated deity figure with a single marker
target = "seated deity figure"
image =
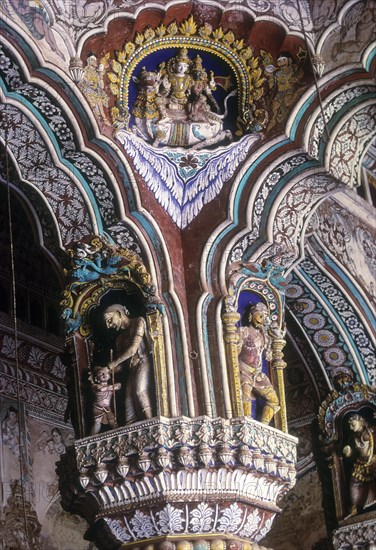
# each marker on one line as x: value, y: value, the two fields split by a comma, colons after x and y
x: 254, y: 341
x: 179, y: 81
x: 361, y: 449
x: 201, y: 99
x: 131, y: 353
x: 103, y: 395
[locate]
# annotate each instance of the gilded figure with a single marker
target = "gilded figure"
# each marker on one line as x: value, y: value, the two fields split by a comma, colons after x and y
x: 92, y: 86
x: 361, y: 448
x: 254, y: 343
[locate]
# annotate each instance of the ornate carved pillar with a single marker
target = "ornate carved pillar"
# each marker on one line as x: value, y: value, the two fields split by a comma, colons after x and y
x: 231, y: 337
x: 179, y: 481
x: 158, y: 482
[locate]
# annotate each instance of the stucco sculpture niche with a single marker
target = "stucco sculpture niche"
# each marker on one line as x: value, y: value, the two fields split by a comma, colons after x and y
x: 347, y: 421
x: 254, y: 344
x: 175, y: 104
x: 360, y: 449
x: 114, y: 339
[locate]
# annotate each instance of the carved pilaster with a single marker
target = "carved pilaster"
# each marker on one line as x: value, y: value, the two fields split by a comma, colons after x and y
x: 231, y: 337
x: 279, y: 365
x: 154, y: 321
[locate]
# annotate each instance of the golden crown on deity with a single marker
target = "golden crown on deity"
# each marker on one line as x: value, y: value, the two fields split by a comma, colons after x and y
x: 182, y: 57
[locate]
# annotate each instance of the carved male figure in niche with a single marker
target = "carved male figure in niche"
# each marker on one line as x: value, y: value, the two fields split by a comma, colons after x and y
x: 361, y: 447
x: 254, y: 342
x: 131, y: 352
x: 103, y: 396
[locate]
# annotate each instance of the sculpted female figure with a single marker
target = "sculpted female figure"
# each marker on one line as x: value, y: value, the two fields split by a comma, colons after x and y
x: 361, y: 447
x: 131, y: 353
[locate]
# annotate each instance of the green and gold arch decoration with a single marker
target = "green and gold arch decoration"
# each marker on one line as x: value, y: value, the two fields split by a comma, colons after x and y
x: 223, y: 44
x: 94, y: 269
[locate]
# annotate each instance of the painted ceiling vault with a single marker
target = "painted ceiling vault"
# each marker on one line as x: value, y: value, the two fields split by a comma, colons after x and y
x: 261, y: 151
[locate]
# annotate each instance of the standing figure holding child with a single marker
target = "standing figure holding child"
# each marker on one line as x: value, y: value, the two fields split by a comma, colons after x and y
x: 131, y: 353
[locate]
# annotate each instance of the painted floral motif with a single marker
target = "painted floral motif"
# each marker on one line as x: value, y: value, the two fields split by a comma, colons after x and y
x: 251, y: 525
x: 71, y: 211
x: 170, y: 519
x: 329, y: 341
x: 230, y: 519
x: 142, y: 525
x: 330, y: 110
x: 201, y: 520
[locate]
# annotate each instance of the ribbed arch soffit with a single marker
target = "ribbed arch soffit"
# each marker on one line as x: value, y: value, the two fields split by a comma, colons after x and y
x: 78, y: 186
x: 73, y: 185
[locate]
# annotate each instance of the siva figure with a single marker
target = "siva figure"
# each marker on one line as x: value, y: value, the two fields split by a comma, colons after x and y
x: 103, y: 394
x: 254, y: 341
x: 363, y: 475
x: 131, y: 344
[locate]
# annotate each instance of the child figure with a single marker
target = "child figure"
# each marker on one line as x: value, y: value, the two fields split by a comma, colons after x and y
x: 103, y: 394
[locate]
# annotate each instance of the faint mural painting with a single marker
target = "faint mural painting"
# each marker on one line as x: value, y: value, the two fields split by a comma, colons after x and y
x: 37, y: 19
x: 357, y: 29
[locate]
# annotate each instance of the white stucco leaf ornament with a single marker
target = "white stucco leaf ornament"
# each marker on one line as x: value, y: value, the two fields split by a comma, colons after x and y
x: 230, y: 519
x: 184, y: 181
x: 170, y: 520
x: 142, y: 525
x: 201, y: 520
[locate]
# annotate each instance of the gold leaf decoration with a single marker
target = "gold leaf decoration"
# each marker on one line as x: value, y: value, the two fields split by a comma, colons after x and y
x: 246, y: 53
x: 112, y: 77
x: 238, y: 44
x: 188, y: 27
x: 160, y: 30
x: 129, y: 48
x: 218, y: 33
x: 114, y: 89
x: 116, y: 67
x: 253, y: 63
x: 229, y: 37
x: 172, y: 29
x: 205, y: 31
x: 122, y: 56
x: 149, y: 34
x: 139, y: 40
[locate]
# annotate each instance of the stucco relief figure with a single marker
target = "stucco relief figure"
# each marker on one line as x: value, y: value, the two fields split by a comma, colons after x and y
x: 361, y: 449
x: 131, y: 354
x: 92, y: 86
x: 254, y: 343
x: 103, y: 395
x: 175, y: 104
x: 285, y: 83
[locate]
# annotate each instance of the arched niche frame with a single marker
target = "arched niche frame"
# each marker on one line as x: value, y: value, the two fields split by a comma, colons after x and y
x: 348, y: 399
x: 240, y: 58
x: 100, y: 274
x: 249, y: 284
